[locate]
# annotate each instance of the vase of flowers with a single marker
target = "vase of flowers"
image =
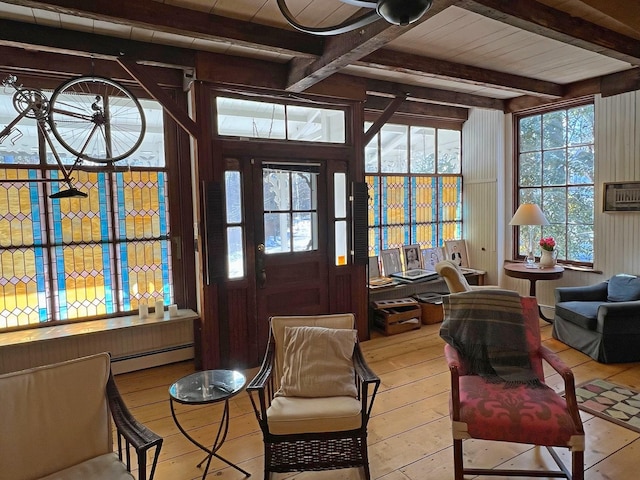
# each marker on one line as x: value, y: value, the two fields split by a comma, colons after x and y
x: 549, y: 253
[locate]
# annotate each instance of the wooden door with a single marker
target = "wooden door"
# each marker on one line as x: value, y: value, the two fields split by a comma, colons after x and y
x: 290, y: 239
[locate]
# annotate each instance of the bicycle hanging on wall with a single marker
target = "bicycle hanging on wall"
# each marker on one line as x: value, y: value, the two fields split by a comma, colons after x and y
x: 94, y: 118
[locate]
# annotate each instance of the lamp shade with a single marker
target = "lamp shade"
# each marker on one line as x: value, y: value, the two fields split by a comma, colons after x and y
x: 529, y: 214
x: 402, y: 12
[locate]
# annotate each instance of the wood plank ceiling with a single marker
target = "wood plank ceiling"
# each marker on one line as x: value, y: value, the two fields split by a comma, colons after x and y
x: 507, y: 55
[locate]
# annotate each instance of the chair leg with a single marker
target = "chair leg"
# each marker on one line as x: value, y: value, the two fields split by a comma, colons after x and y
x: 458, y: 466
x: 577, y: 465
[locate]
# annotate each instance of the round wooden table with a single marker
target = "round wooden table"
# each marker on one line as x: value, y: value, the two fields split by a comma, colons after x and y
x: 520, y: 270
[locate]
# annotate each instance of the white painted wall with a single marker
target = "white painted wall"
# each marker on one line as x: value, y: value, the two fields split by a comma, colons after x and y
x: 488, y: 186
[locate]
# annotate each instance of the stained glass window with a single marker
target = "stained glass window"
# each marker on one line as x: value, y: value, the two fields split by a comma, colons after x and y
x: 415, y: 194
x: 76, y: 258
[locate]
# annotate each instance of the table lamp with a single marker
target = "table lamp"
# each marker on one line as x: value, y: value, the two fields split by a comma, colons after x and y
x: 529, y: 214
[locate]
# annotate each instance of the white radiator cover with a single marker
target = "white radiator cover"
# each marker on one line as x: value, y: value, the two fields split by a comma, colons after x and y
x: 133, y: 343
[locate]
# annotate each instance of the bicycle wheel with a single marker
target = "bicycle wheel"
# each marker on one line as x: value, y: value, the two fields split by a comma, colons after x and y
x: 96, y: 119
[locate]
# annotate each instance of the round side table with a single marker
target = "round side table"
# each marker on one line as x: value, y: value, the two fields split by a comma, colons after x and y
x: 200, y: 388
x: 520, y: 270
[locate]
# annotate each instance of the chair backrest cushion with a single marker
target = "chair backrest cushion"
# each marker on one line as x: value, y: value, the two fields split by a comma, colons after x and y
x: 279, y: 323
x: 54, y: 417
x: 318, y: 362
x: 452, y: 276
x: 623, y: 288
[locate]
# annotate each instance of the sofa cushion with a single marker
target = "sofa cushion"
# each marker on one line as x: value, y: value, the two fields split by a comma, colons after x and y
x: 623, y: 288
x: 104, y: 467
x: 582, y: 314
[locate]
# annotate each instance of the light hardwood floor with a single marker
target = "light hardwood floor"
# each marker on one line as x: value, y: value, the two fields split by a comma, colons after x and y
x: 409, y: 432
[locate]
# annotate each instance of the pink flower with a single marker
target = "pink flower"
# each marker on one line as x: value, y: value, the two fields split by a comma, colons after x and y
x: 548, y: 243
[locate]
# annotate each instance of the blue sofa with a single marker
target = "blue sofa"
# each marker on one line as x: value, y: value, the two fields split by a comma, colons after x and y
x: 602, y: 320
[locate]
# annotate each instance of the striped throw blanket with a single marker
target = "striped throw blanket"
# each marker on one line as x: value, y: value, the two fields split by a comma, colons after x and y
x: 487, y: 328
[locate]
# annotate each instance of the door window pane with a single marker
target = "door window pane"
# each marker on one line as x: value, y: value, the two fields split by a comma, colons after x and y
x: 290, y: 208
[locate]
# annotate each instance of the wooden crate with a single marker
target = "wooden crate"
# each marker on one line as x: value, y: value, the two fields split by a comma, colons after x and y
x: 432, y: 308
x: 397, y: 316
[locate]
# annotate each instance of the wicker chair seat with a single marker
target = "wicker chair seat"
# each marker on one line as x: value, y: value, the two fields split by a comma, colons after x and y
x: 291, y: 415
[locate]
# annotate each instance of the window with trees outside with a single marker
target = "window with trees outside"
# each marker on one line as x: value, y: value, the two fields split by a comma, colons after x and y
x: 67, y: 259
x: 415, y: 187
x: 555, y: 169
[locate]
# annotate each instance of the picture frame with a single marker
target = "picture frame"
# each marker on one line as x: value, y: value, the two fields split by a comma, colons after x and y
x: 621, y: 197
x: 457, y: 252
x: 431, y: 256
x: 390, y: 261
x: 374, y: 267
x: 412, y: 257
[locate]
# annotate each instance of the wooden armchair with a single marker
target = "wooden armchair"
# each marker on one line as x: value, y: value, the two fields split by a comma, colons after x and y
x: 313, y: 395
x: 488, y: 407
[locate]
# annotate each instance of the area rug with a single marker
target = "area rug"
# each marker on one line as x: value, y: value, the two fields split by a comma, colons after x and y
x: 612, y: 402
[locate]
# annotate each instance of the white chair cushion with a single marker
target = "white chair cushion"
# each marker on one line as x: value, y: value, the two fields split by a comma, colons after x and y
x: 104, y: 467
x: 54, y: 417
x: 289, y: 415
x: 318, y: 362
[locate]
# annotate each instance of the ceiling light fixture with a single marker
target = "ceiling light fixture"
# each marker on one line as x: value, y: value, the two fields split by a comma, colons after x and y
x: 396, y: 12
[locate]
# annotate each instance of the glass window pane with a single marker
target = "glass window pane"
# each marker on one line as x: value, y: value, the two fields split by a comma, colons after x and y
x: 233, y: 197
x: 580, y: 128
x: 423, y: 149
x: 393, y: 154
x: 247, y: 118
x: 151, y: 150
x: 276, y: 232
x: 311, y: 124
x: 275, y: 190
x: 449, y: 143
x: 530, y: 133
x: 303, y: 232
x: 581, y: 165
x: 235, y: 249
x: 340, y: 195
x: 341, y: 243
x: 553, y: 129
x: 530, y: 171
x: 303, y: 190
x: 554, y: 170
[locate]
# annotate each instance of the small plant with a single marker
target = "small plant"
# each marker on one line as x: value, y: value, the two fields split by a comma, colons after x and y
x: 548, y: 244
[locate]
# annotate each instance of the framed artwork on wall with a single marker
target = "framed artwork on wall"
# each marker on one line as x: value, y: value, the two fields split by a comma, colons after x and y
x: 621, y: 197
x: 457, y: 252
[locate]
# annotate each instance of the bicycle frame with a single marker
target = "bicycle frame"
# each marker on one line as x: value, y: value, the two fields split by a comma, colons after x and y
x: 40, y: 110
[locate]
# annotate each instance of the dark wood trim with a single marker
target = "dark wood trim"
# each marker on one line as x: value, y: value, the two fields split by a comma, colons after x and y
x: 386, y: 114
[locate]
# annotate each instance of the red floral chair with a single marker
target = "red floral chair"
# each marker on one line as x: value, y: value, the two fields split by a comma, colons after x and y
x: 483, y: 408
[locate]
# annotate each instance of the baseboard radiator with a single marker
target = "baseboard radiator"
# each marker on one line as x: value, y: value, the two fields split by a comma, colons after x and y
x: 134, y: 344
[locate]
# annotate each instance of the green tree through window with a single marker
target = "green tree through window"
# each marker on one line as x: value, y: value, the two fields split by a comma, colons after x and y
x: 555, y: 169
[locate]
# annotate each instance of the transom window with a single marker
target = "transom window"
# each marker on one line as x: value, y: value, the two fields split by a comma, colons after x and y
x: 555, y: 170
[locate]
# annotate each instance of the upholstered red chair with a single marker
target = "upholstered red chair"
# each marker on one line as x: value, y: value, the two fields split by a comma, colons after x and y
x: 488, y: 407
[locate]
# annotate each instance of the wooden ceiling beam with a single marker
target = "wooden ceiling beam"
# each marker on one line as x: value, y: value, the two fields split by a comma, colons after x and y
x: 623, y: 11
x: 393, y: 61
x: 384, y: 88
x: 343, y: 50
x: 166, y: 18
x: 416, y: 108
x: 30, y: 62
x: 537, y: 18
x: 58, y: 40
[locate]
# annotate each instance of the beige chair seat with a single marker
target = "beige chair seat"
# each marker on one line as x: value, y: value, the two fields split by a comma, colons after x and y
x: 107, y: 467
x: 291, y: 415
